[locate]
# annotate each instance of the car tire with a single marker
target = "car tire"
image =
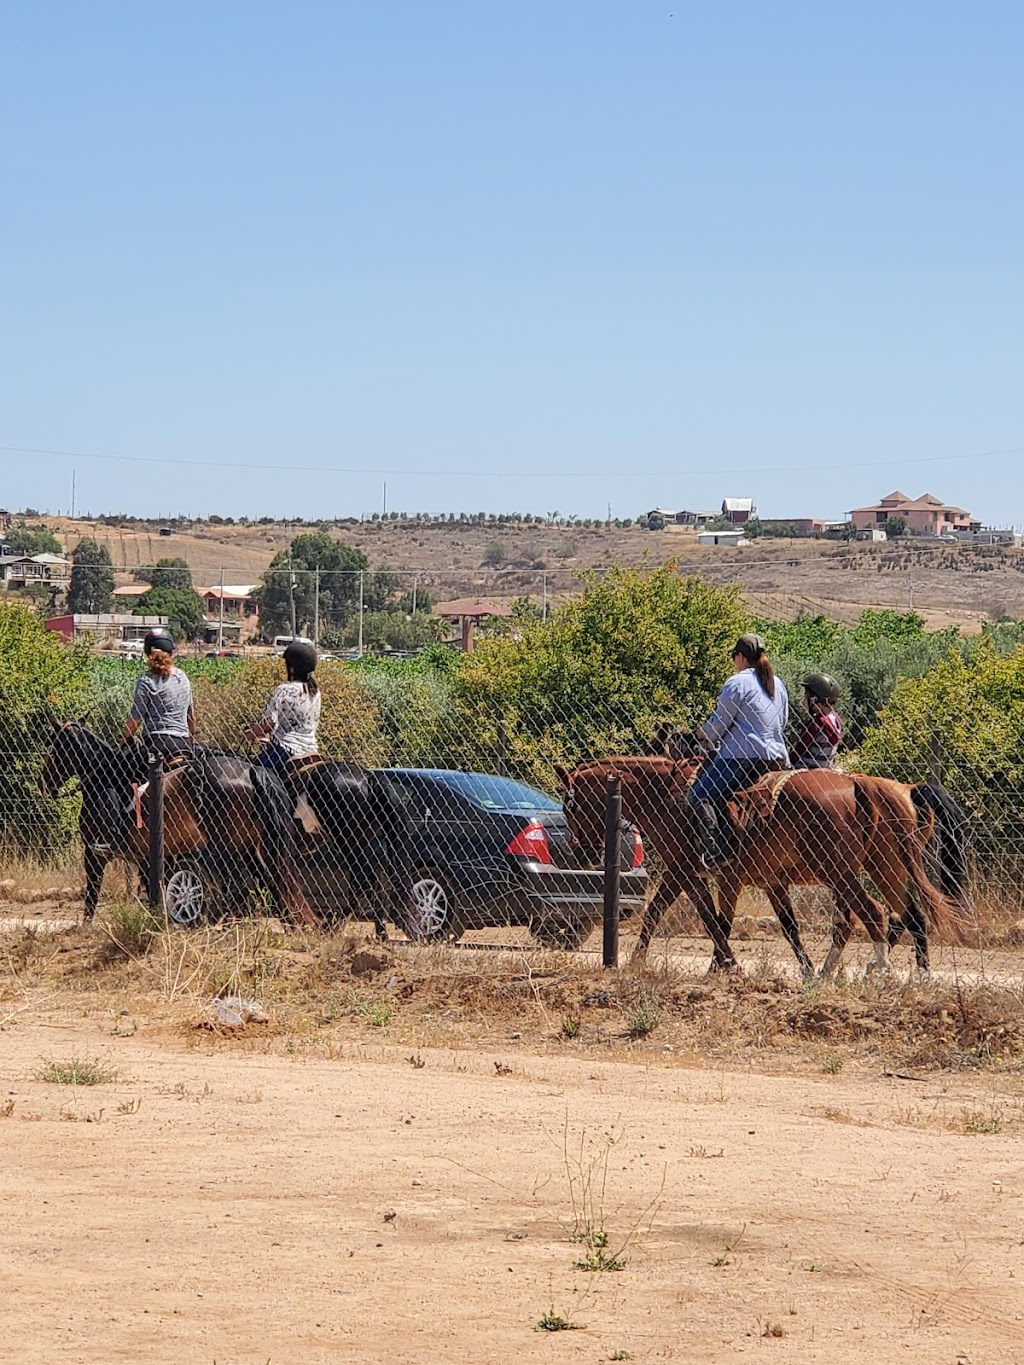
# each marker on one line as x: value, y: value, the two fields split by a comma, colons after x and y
x: 433, y: 914
x: 189, y: 894
x: 566, y: 933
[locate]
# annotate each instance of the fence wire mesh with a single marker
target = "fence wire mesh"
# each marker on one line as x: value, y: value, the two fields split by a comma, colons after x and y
x: 457, y: 800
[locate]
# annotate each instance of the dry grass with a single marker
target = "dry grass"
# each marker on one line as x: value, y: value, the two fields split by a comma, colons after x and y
x: 519, y: 999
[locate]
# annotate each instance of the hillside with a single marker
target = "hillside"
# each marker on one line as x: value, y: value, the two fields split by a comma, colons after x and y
x: 961, y: 585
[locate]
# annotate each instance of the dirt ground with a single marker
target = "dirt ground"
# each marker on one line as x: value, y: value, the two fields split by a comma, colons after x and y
x: 405, y: 1188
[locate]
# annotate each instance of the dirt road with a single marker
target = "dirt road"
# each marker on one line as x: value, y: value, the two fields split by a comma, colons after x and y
x: 215, y: 1202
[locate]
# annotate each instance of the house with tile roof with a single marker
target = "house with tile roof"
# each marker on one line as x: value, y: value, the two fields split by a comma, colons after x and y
x: 926, y: 515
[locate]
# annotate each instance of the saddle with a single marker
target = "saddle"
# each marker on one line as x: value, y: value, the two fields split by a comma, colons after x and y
x: 296, y: 768
x: 754, y: 806
x: 294, y: 774
x: 748, y: 808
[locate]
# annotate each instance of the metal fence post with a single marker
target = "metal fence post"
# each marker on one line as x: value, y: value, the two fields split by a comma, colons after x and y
x: 501, y: 763
x: 935, y: 776
x: 156, y: 833
x: 612, y: 869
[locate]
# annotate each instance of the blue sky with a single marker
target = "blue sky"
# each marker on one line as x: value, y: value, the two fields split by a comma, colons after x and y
x: 532, y: 256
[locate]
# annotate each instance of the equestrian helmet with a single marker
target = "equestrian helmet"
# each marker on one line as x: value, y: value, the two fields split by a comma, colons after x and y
x: 158, y: 639
x: 750, y: 646
x: 824, y: 687
x: 300, y: 658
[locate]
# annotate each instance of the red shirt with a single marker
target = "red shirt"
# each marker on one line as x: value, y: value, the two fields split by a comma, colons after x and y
x: 818, y: 742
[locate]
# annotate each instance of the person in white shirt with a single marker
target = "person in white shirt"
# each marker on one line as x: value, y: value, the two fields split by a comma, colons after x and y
x: 293, y: 712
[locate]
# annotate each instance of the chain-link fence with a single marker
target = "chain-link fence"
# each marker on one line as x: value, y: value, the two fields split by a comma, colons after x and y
x: 456, y: 788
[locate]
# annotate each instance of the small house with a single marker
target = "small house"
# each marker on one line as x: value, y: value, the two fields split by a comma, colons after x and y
x: 738, y: 511
x: 733, y: 539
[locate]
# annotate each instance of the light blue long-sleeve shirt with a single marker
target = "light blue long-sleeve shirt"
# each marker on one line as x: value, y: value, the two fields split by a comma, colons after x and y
x: 747, y: 723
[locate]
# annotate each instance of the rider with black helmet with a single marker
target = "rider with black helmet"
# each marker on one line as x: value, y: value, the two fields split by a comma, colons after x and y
x: 163, y: 704
x: 819, y: 740
x: 293, y: 711
x: 163, y: 699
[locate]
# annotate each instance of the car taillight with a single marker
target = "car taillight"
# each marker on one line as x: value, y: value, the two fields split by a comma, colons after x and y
x: 638, y: 850
x: 531, y: 842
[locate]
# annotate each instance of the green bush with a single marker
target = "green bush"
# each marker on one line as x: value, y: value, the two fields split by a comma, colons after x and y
x: 973, y: 702
x: 41, y: 677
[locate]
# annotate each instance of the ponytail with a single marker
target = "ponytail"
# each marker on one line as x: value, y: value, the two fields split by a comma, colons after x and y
x: 765, y: 674
x: 752, y: 649
x: 161, y: 663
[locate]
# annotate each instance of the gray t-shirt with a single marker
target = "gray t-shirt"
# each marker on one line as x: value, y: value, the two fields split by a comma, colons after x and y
x: 163, y: 703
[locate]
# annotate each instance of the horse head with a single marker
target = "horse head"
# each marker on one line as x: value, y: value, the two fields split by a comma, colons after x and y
x: 63, y: 759
x: 583, y: 805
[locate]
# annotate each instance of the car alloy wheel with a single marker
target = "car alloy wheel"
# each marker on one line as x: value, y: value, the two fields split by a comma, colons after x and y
x: 185, y: 898
x: 431, y: 911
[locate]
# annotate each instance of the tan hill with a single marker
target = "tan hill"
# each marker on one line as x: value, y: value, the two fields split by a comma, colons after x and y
x: 961, y: 585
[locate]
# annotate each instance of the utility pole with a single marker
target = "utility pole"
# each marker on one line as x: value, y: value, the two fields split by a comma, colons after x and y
x: 291, y: 594
x: 384, y: 502
x: 544, y: 614
x: 316, y: 609
x: 74, y: 476
x: 360, y: 613
x: 415, y: 585
x: 220, y: 620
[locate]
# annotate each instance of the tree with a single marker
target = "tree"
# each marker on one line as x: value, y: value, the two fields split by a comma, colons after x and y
x: 895, y: 527
x: 495, y: 555
x: 635, y: 649
x: 172, y: 572
x: 183, y: 607
x: 39, y: 541
x: 92, y: 578
x: 340, y: 567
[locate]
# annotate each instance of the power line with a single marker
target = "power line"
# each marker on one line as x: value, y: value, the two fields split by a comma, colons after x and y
x: 518, y: 472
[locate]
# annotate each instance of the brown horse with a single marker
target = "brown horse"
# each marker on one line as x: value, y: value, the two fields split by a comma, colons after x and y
x: 806, y: 827
x: 245, y: 819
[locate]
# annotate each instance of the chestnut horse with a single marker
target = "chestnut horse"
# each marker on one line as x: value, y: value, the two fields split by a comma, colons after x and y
x: 804, y: 827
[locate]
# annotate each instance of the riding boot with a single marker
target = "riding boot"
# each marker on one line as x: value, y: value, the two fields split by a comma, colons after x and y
x: 716, y: 844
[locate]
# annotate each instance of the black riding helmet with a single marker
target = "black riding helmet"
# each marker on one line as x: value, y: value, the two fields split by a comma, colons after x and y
x: 824, y: 687
x: 300, y: 659
x: 158, y: 639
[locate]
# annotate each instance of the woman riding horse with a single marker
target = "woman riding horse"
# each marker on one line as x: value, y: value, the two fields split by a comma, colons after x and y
x: 749, y: 727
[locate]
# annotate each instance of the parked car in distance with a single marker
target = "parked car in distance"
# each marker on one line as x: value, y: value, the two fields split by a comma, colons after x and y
x: 489, y: 851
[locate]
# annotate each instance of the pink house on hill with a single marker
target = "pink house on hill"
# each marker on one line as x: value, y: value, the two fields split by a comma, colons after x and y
x: 925, y: 515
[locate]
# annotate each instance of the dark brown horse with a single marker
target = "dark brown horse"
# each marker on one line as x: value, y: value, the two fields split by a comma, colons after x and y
x: 806, y: 827
x: 218, y: 806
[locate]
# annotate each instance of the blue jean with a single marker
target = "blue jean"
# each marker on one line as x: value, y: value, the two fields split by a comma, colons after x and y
x: 272, y: 756
x: 720, y: 779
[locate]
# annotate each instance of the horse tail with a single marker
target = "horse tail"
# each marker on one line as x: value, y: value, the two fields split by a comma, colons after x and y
x: 396, y: 830
x: 935, y: 805
x: 272, y: 807
x: 942, y: 916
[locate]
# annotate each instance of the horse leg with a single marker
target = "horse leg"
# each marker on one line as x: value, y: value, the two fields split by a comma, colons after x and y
x: 851, y: 896
x: 914, y: 923
x: 783, y: 907
x: 675, y: 882
x: 729, y: 887
x: 95, y: 866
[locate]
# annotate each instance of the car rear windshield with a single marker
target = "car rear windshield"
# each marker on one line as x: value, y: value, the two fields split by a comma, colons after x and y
x: 497, y: 793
